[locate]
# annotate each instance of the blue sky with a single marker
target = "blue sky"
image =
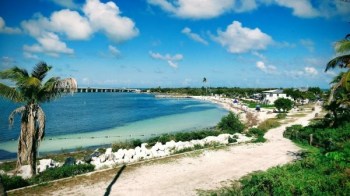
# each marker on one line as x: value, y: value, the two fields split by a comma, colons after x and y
x: 175, y: 43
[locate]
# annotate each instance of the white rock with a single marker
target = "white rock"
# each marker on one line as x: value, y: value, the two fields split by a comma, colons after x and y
x: 24, y: 172
x: 143, y: 145
x: 102, y: 158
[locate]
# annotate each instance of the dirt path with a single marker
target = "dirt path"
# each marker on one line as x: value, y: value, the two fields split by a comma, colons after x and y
x: 206, y: 171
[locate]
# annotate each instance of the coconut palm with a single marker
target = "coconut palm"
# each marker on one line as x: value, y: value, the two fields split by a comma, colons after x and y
x: 206, y: 88
x: 31, y: 90
x: 343, y: 61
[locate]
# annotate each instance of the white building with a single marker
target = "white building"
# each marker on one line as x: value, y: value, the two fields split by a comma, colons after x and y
x: 270, y: 96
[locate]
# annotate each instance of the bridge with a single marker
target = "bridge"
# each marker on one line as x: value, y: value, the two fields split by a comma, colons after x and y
x: 106, y: 90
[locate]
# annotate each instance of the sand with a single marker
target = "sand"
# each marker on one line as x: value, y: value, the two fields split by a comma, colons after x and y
x: 210, y: 170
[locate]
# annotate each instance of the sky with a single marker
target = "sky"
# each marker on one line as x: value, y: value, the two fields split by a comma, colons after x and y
x: 176, y: 43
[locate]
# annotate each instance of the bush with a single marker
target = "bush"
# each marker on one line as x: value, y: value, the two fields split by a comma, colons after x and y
x: 232, y: 140
x: 126, y: 144
x: 231, y: 124
x: 258, y: 133
x: 283, y: 104
x: 61, y: 172
x: 281, y: 116
x: 268, y: 124
x: 13, y: 182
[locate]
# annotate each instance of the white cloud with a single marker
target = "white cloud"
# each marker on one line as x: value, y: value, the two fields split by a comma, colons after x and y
x: 106, y: 17
x: 205, y: 9
x: 71, y: 24
x: 7, y: 30
x: 267, y: 69
x: 193, y: 36
x: 66, y: 3
x: 301, y: 8
x: 308, y: 44
x: 113, y: 50
x: 238, y: 39
x: 171, y: 60
x: 311, y: 71
x: 50, y: 44
x: 28, y: 55
x: 195, y: 9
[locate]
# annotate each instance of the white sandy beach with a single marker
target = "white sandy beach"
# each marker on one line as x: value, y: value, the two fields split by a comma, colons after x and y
x: 208, y: 171
x: 238, y: 108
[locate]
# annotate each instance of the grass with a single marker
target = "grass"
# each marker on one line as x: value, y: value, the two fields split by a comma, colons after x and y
x: 252, y: 104
x: 269, y: 124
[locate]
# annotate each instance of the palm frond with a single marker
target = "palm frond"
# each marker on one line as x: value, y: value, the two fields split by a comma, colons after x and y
x: 340, y: 61
x: 342, y: 46
x: 56, y: 87
x: 40, y: 70
x: 19, y: 110
x: 40, y: 124
x: 10, y: 93
x: 14, y: 74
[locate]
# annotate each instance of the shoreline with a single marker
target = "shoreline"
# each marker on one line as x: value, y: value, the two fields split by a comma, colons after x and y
x: 237, y: 108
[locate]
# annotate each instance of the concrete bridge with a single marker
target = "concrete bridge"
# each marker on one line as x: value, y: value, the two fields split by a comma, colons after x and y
x: 106, y: 90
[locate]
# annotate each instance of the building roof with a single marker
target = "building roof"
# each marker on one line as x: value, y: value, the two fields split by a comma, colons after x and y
x: 275, y: 91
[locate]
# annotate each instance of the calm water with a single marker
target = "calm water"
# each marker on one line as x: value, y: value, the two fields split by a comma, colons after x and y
x: 88, y: 119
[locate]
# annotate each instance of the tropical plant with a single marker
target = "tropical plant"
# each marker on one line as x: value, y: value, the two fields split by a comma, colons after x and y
x: 231, y: 124
x: 30, y: 90
x: 342, y: 47
x: 283, y: 104
x: 206, y: 88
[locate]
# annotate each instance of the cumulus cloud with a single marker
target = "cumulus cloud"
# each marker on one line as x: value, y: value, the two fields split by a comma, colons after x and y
x: 311, y: 71
x: 171, y: 60
x: 301, y: 8
x: 205, y: 9
x: 305, y: 72
x: 239, y: 39
x: 50, y: 44
x: 98, y: 17
x: 106, y: 17
x: 113, y: 50
x: 193, y: 36
x: 265, y: 68
x: 70, y: 23
x: 6, y: 29
x: 195, y: 9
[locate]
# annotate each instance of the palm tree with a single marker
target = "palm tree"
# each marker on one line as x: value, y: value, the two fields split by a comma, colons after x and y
x: 31, y: 90
x: 206, y: 88
x: 343, y: 61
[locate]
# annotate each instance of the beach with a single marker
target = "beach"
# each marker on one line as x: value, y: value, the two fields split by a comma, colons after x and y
x: 186, y: 175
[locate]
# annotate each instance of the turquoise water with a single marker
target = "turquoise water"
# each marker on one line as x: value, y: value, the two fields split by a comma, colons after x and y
x: 93, y: 119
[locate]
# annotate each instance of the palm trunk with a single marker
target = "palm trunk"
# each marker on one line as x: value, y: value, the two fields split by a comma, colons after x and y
x: 27, y: 142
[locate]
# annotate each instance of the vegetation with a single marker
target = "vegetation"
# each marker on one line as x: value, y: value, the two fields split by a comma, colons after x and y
x: 13, y: 182
x: 252, y: 104
x: 269, y: 124
x: 257, y: 133
x: 281, y: 116
x: 283, y: 104
x: 31, y: 90
x: 231, y: 124
x: 324, y: 168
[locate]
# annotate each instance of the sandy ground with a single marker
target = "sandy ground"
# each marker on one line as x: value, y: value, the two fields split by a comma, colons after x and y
x: 238, y: 108
x: 209, y: 170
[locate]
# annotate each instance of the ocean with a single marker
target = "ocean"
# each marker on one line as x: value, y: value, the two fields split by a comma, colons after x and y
x: 94, y: 119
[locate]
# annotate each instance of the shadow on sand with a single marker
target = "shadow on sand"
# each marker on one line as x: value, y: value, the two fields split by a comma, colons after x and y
x: 108, y: 190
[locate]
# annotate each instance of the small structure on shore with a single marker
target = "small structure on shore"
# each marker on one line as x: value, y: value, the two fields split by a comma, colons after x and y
x: 270, y: 96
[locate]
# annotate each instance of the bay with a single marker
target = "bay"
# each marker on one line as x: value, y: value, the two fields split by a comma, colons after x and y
x: 92, y: 119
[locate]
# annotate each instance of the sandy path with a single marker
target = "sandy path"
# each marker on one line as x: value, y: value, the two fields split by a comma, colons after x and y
x: 207, y: 171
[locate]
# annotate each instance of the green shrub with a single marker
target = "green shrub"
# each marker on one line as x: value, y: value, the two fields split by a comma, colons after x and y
x: 268, y: 124
x: 8, y: 166
x: 232, y: 140
x: 283, y: 104
x: 281, y: 116
x: 126, y: 144
x: 61, y: 172
x: 231, y: 124
x: 13, y: 182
